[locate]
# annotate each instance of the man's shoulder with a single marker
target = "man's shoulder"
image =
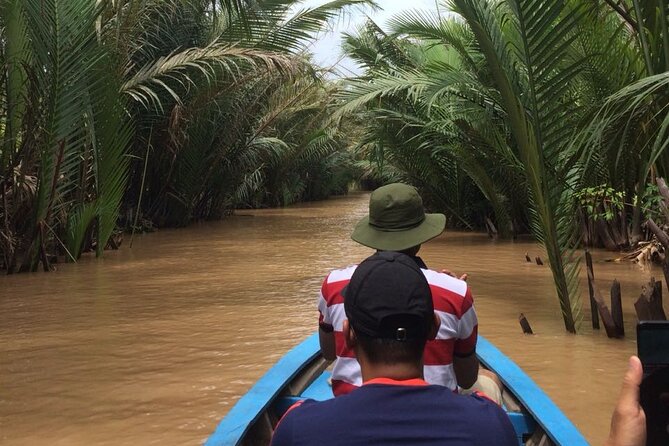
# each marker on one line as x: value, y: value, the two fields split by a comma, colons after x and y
x: 340, y: 275
x: 310, y: 411
x: 298, y: 409
x: 291, y: 422
x: 487, y: 412
x: 480, y: 411
x: 460, y: 416
x: 333, y: 285
x: 446, y: 282
x: 490, y: 416
x: 310, y: 421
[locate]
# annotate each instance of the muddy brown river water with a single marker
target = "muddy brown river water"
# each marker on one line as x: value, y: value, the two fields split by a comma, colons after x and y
x: 152, y: 345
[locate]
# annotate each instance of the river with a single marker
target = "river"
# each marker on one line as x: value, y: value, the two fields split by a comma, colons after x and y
x: 152, y: 345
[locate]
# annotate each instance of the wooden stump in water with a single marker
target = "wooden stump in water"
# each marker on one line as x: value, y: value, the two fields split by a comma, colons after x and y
x: 492, y: 230
x: 617, y: 308
x: 605, y: 314
x: 538, y: 260
x: 527, y: 258
x: 591, y: 280
x: 525, y: 325
x: 649, y: 305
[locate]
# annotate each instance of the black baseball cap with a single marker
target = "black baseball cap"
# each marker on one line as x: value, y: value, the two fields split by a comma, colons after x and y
x: 388, y: 297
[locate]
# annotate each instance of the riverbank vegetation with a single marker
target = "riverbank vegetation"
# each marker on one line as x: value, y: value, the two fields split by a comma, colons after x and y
x: 549, y: 116
x: 124, y: 113
x: 517, y: 116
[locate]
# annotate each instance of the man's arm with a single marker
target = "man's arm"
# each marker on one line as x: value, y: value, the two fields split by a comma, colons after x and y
x: 327, y: 341
x: 465, y: 362
x: 325, y: 328
x: 466, y: 369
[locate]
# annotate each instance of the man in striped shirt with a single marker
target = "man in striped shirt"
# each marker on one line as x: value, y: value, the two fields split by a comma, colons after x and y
x: 390, y: 316
x: 397, y: 222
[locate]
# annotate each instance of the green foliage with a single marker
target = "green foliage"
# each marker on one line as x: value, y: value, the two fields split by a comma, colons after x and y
x: 66, y: 135
x: 232, y: 111
x: 590, y: 199
x: 519, y: 109
x: 651, y: 202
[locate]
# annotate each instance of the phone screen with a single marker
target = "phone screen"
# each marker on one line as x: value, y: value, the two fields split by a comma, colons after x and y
x: 653, y: 349
x: 653, y: 345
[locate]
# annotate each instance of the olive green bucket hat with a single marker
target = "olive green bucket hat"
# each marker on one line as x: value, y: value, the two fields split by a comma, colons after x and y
x: 397, y: 220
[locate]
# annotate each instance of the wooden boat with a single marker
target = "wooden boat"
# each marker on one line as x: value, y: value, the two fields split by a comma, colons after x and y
x: 302, y: 374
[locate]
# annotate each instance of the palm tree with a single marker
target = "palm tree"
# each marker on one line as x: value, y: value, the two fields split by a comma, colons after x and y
x: 91, y: 88
x: 532, y: 101
x: 505, y: 89
x: 60, y: 122
x: 626, y: 139
x: 200, y: 129
x: 412, y: 103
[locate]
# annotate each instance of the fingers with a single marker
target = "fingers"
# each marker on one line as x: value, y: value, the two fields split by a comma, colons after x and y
x: 628, y: 424
x: 629, y: 395
x: 452, y: 274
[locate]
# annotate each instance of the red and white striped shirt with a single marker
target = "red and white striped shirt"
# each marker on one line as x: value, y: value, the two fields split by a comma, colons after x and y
x: 457, y: 334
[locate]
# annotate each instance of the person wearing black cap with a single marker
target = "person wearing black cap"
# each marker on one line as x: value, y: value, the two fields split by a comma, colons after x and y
x: 390, y: 317
x: 397, y: 222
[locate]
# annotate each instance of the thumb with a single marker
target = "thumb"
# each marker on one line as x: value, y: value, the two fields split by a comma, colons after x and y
x: 629, y: 395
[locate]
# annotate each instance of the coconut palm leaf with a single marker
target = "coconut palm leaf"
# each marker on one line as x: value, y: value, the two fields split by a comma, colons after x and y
x: 291, y: 33
x: 643, y: 103
x: 64, y: 49
x: 539, y: 115
x: 79, y: 221
x: 653, y: 33
x: 113, y: 134
x: 175, y: 73
x: 445, y: 97
x: 430, y: 27
x: 15, y: 57
x: 279, y: 25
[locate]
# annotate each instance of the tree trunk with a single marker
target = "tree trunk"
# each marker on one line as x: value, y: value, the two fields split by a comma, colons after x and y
x: 664, y: 191
x: 618, y: 236
x: 637, y: 234
x: 617, y: 308
x: 604, y: 236
x: 649, y: 305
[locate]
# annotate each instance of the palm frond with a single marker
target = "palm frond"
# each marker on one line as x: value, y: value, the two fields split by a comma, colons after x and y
x: 539, y: 115
x: 175, y: 73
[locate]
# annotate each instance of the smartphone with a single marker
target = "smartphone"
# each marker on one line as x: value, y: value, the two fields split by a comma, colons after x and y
x: 653, y: 350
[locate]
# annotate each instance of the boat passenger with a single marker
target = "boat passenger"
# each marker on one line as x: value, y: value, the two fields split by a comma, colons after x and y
x: 390, y: 316
x: 397, y: 222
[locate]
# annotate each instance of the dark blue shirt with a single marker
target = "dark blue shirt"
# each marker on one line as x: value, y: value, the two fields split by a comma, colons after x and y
x: 388, y: 413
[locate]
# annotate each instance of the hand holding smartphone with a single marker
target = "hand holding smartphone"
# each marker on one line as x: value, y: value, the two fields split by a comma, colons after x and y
x: 653, y: 351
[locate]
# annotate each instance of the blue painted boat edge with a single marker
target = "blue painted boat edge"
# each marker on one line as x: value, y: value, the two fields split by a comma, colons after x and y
x: 558, y: 427
x: 248, y: 408
x: 234, y: 425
